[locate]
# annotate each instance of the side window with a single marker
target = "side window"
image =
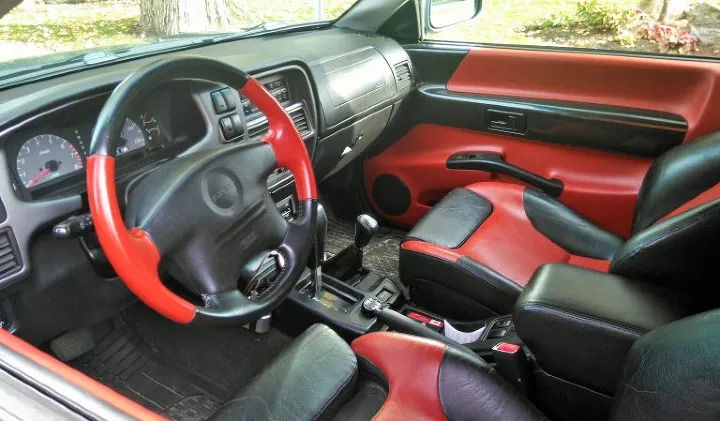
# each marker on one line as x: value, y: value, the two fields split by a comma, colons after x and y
x: 680, y: 27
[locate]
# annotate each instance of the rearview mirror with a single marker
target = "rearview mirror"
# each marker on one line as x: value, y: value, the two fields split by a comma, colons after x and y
x: 444, y: 13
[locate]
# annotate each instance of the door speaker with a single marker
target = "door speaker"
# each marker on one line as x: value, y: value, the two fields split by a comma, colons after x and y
x: 391, y: 194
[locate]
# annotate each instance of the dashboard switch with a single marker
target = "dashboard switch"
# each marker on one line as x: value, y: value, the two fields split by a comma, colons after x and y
x: 228, y: 128
x: 229, y: 97
x: 219, y: 102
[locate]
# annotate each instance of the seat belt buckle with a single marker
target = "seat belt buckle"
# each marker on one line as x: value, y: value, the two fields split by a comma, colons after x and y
x: 512, y: 364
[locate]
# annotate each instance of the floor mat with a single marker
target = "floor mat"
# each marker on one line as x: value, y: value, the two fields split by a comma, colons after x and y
x: 121, y: 362
x: 380, y: 256
x: 181, y: 372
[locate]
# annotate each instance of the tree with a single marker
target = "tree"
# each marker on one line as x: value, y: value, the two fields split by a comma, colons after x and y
x: 171, y: 17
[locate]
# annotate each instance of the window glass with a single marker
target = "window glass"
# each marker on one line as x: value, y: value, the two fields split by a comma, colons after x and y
x: 33, y: 28
x: 681, y: 27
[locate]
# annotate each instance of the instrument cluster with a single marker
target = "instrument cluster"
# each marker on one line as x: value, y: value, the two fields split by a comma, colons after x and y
x: 49, y: 155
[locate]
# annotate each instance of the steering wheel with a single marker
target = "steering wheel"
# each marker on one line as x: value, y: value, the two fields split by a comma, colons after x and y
x: 206, y: 219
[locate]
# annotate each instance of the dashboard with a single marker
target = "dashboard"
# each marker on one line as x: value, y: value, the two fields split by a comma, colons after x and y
x: 47, y: 156
x: 341, y: 88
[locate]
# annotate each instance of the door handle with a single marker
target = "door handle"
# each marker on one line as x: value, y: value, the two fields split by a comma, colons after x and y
x: 506, y: 121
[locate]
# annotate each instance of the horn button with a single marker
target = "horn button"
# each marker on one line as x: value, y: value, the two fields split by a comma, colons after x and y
x: 222, y: 191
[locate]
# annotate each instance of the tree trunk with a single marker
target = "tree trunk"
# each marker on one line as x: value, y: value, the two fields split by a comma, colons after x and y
x: 172, y: 17
x: 7, y: 6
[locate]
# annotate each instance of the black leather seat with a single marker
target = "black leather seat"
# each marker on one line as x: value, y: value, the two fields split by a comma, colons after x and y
x: 474, y: 252
x: 670, y: 373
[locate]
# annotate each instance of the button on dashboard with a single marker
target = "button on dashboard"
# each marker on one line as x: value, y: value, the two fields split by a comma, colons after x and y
x: 219, y: 103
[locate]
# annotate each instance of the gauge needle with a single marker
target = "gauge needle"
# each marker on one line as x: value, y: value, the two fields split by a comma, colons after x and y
x: 38, y: 177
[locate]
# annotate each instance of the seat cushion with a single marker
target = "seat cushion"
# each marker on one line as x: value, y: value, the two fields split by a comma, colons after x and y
x: 485, y: 273
x: 310, y: 378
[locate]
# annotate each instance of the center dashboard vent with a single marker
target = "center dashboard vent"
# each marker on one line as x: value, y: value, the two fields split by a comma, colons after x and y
x: 10, y: 262
x: 297, y: 114
x: 300, y: 121
x: 403, y: 74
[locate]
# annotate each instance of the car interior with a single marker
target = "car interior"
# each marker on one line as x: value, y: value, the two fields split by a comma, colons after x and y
x: 346, y: 221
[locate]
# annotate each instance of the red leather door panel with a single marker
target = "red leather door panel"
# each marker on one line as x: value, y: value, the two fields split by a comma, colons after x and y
x: 688, y: 88
x: 601, y: 186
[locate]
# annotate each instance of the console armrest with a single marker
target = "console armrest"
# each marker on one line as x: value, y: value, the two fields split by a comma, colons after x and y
x: 580, y: 323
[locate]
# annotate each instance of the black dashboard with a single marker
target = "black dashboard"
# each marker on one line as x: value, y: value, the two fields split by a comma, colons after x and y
x: 47, y: 155
x: 340, y: 87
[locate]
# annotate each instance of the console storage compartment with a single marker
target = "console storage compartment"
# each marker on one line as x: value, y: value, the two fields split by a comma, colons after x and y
x: 579, y: 323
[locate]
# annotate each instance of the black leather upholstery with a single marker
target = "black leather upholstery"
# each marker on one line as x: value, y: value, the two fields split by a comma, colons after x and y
x: 676, y: 177
x: 311, y: 378
x: 567, y: 229
x: 453, y: 219
x: 580, y: 323
x: 459, y: 289
x: 470, y: 390
x: 673, y: 373
x: 679, y: 252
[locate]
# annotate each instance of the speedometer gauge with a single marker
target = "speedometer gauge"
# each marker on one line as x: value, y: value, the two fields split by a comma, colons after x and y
x: 46, y: 157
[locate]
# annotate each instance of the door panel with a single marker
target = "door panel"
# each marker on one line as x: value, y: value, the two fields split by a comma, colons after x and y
x: 600, y: 185
x: 593, y: 121
x: 688, y: 88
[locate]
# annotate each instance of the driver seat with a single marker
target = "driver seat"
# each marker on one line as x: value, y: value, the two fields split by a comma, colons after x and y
x: 392, y: 376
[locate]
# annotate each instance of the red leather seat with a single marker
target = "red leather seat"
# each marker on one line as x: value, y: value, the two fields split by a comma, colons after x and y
x: 474, y: 252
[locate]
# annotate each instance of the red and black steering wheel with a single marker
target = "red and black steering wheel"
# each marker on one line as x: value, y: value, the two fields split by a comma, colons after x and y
x: 206, y: 219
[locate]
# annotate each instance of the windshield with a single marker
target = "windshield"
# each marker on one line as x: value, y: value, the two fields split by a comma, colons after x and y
x: 38, y: 35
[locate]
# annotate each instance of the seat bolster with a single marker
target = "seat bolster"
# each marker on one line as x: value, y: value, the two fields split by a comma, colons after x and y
x: 471, y: 390
x: 491, y: 293
x: 318, y: 357
x: 679, y: 252
x: 429, y: 380
x: 567, y: 229
x: 452, y: 220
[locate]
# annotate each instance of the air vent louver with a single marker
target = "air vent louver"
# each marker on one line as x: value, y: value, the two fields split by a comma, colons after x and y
x: 10, y: 261
x: 300, y: 120
x: 403, y: 74
x: 258, y: 130
x: 298, y: 116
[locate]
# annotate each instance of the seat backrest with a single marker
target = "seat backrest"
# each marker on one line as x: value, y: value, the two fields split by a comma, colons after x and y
x: 677, y: 221
x: 682, y: 178
x: 673, y: 373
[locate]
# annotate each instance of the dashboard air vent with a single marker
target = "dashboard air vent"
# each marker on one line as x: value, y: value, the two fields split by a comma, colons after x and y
x: 255, y: 131
x: 403, y: 74
x: 9, y: 257
x: 300, y: 120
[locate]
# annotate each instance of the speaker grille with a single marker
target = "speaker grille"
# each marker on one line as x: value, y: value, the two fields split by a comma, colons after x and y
x: 391, y: 195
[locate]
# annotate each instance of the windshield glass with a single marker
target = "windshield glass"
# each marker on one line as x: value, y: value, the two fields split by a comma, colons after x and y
x: 40, y: 34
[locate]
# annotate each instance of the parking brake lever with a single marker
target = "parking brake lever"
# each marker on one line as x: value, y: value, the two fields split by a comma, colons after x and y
x: 403, y: 324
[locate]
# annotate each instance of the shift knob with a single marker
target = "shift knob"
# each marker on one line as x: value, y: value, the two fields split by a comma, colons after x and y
x: 365, y: 227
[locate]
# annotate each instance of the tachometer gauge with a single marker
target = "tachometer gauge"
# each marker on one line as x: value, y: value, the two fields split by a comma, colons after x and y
x: 46, y: 157
x: 131, y: 138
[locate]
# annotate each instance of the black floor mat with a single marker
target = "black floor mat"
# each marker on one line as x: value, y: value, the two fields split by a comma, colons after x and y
x: 181, y: 372
x: 381, y: 255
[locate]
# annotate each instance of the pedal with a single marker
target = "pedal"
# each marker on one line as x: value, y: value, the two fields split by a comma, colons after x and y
x: 72, y: 344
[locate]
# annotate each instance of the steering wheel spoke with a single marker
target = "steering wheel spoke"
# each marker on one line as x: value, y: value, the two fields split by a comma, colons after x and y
x: 205, y: 218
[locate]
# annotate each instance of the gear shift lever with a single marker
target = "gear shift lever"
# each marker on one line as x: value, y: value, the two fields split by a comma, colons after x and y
x: 349, y: 261
x: 317, y: 256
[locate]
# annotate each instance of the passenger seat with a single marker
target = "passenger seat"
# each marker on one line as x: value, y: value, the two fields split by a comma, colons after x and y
x: 475, y: 251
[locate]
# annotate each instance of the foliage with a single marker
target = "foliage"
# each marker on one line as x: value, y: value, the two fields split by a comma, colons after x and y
x: 589, y: 16
x: 669, y: 37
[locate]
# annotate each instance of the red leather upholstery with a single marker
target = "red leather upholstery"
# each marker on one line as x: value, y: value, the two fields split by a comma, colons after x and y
x: 507, y: 241
x: 411, y: 366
